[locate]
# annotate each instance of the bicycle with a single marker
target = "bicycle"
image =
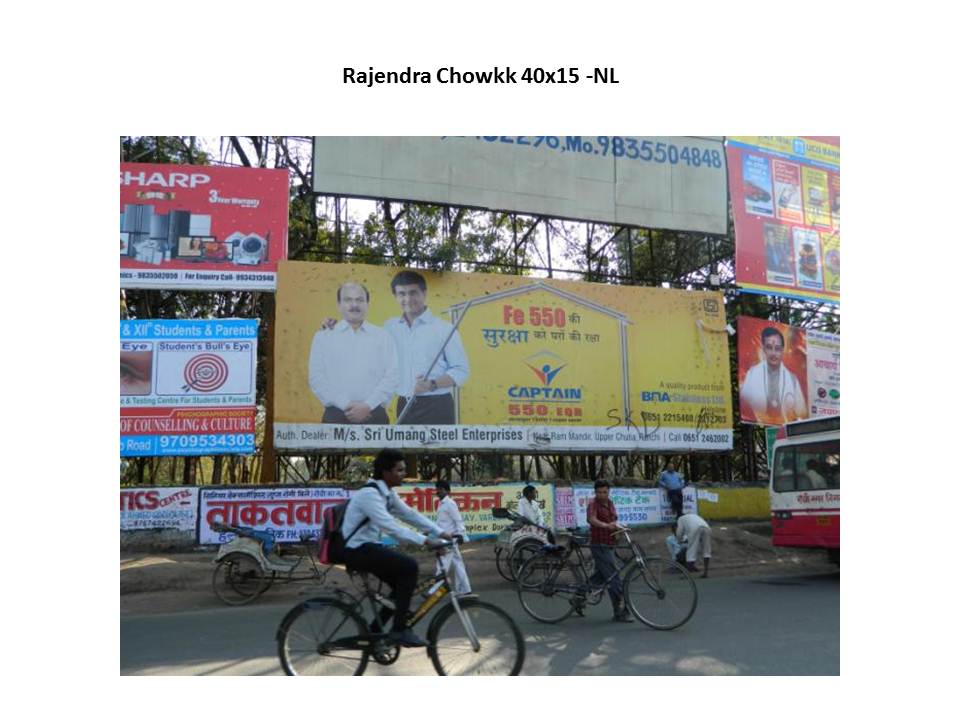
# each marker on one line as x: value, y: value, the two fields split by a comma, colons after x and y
x: 514, y: 547
x: 554, y: 583
x: 329, y: 634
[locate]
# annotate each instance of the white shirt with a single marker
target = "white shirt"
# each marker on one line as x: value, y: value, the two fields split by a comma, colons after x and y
x: 817, y: 481
x: 381, y: 506
x: 449, y: 519
x: 418, y: 345
x: 530, y: 510
x: 686, y: 524
x: 348, y: 365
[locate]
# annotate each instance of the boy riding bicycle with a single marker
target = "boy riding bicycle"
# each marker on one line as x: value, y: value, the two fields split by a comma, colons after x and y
x: 371, y: 513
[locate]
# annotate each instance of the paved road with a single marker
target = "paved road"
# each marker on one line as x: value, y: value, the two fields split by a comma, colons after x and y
x: 787, y: 625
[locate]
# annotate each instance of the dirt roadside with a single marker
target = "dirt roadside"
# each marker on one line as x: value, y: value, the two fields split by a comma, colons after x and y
x: 176, y: 582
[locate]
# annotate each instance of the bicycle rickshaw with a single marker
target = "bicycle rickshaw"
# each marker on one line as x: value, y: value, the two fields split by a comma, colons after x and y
x: 522, y: 539
x: 250, y: 563
x: 518, y: 542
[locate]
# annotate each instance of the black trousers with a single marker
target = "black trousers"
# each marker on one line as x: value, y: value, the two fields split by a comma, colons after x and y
x: 335, y: 415
x: 397, y: 570
x: 429, y: 410
x: 676, y: 501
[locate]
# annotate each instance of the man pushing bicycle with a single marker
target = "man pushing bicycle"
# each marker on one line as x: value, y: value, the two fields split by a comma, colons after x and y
x: 602, y: 517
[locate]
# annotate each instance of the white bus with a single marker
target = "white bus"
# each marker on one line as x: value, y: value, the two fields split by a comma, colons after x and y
x: 805, y: 485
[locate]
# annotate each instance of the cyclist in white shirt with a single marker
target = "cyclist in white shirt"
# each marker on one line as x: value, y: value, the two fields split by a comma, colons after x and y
x: 370, y: 514
x: 450, y: 521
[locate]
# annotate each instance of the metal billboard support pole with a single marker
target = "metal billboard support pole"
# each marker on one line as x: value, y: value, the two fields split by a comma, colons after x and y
x: 336, y: 201
x: 549, y: 256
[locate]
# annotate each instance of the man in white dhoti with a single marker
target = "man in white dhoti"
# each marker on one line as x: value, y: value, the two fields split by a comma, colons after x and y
x: 450, y: 521
x: 770, y: 390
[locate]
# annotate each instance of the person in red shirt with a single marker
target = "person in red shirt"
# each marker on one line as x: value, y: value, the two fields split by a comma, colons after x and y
x: 602, y: 516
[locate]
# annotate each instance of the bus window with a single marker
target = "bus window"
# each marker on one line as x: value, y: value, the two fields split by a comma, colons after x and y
x: 818, y: 465
x: 784, y: 475
x: 831, y: 463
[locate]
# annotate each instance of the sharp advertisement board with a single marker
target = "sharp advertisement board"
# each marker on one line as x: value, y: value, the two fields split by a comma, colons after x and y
x: 187, y: 387
x: 200, y: 227
x: 369, y: 357
x: 660, y: 182
x: 785, y: 192
x: 786, y: 373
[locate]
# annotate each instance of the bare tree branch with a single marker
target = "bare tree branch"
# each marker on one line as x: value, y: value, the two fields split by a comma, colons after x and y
x: 235, y: 143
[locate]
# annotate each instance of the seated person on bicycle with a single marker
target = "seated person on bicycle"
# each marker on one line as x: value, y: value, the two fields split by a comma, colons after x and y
x: 364, y: 550
x: 529, y: 507
x: 602, y: 516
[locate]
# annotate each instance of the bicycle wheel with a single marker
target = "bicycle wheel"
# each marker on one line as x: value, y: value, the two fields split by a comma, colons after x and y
x: 503, y: 563
x: 239, y: 579
x: 307, y: 639
x: 660, y: 594
x: 549, y: 588
x: 522, y: 552
x: 500, y: 646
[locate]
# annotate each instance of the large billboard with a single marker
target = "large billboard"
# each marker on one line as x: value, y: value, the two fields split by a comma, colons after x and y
x: 369, y: 357
x: 199, y: 227
x: 785, y: 192
x: 678, y: 183
x: 187, y: 387
x: 786, y: 373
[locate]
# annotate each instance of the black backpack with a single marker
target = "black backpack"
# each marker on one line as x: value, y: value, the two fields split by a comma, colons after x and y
x: 332, y: 544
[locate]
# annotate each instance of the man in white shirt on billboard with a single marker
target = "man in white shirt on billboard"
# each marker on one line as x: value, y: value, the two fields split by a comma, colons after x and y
x: 450, y: 522
x: 420, y: 338
x: 769, y: 388
x: 353, y: 368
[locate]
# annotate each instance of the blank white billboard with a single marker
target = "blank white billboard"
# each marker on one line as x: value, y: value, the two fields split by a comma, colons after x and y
x: 678, y: 183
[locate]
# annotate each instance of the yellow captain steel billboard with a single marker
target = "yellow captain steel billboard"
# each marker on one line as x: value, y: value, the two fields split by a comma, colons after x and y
x: 368, y: 357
